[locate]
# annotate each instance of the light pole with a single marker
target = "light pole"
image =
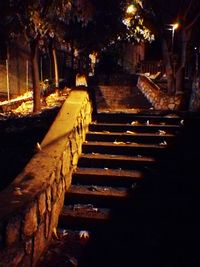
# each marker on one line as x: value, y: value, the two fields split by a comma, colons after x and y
x: 174, y: 27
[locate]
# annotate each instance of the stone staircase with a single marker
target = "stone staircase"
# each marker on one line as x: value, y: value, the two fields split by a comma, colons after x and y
x: 134, y: 196
x: 116, y: 189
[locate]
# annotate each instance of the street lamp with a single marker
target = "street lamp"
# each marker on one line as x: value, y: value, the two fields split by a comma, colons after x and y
x: 173, y: 26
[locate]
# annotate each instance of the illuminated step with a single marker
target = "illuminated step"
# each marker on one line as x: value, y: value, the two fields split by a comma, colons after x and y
x: 134, y: 127
x: 107, y: 176
x: 130, y: 136
x: 114, y: 161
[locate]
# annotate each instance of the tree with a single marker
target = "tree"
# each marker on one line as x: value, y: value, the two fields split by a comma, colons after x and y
x: 88, y: 25
x: 35, y: 20
x: 111, y: 24
x: 163, y: 14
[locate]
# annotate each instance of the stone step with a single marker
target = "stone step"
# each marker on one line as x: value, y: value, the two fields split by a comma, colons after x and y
x: 114, y: 161
x: 98, y: 195
x: 130, y: 136
x: 107, y: 177
x: 119, y: 148
x: 137, y: 127
x: 110, y: 117
x: 83, y: 216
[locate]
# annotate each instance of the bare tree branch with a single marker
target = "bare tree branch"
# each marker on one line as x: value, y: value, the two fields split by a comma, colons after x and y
x: 188, y: 9
x: 191, y: 24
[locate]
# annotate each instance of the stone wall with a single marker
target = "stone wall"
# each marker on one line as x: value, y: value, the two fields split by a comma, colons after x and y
x: 156, y: 97
x: 119, y: 97
x: 31, y: 205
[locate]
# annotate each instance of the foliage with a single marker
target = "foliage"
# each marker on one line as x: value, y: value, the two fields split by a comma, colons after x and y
x: 137, y: 31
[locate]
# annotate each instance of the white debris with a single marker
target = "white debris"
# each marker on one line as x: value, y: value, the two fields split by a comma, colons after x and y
x: 134, y: 122
x: 17, y: 191
x: 130, y: 132
x: 93, y: 188
x: 164, y: 143
x: 64, y: 232
x: 73, y: 261
x: 38, y: 147
x: 161, y: 132
x: 87, y: 207
x: 84, y: 234
x: 118, y: 143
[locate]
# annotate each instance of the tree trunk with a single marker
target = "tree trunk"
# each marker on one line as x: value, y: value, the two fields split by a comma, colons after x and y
x: 35, y: 77
x: 169, y: 69
x: 55, y: 67
x: 180, y: 75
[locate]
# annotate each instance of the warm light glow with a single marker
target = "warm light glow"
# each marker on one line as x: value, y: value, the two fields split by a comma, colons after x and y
x: 175, y: 26
x: 54, y: 99
x: 93, y: 57
x: 25, y: 96
x: 81, y: 80
x: 131, y: 9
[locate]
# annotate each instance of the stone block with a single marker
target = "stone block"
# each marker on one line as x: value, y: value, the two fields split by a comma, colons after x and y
x: 26, y: 261
x: 52, y: 177
x: 58, y: 171
x: 60, y: 189
x: 29, y: 246
x: 13, y: 230
x: 66, y: 162
x: 42, y: 204
x: 47, y: 224
x: 171, y: 106
x: 73, y: 145
x: 48, y: 198
x: 75, y: 159
x: 12, y: 257
x: 30, y: 220
x: 40, y: 242
x: 67, y: 180
x: 56, y: 209
x: 54, y: 191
